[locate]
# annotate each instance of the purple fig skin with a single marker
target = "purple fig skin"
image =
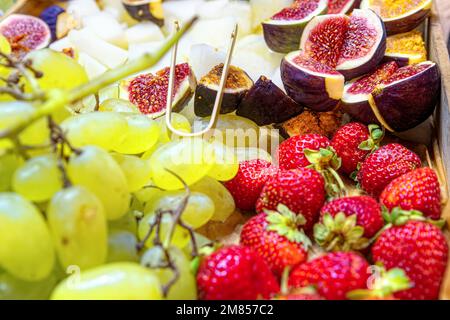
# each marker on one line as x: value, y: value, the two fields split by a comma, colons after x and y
x: 306, y: 89
x: 408, y: 103
x: 360, y: 111
x: 282, y: 38
x: 401, y: 61
x: 355, y: 5
x: 265, y: 103
x: 408, y: 23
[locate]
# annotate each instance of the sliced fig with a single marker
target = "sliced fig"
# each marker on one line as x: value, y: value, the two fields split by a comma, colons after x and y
x: 283, y: 30
x: 59, y: 21
x: 400, y: 15
x: 311, y: 83
x: 342, y: 6
x: 25, y: 33
x: 355, y: 100
x: 406, y: 48
x: 265, y: 103
x: 237, y: 85
x: 149, y: 92
x: 145, y: 10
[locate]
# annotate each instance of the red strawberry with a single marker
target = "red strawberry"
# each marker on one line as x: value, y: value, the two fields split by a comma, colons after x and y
x: 415, y: 190
x: 353, y: 142
x: 276, y: 236
x: 334, y: 274
x: 235, y: 273
x: 420, y: 249
x: 301, y: 190
x: 246, y: 186
x: 291, y: 151
x: 384, y: 165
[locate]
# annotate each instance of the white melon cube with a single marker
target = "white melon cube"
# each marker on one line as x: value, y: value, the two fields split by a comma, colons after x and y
x: 107, y: 28
x: 82, y: 8
x: 203, y: 58
x: 61, y: 44
x: 144, y: 32
x: 92, y: 66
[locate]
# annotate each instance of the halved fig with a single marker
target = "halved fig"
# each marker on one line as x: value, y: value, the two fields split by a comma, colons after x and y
x: 145, y: 10
x: 398, y: 98
x: 352, y: 45
x: 400, y: 15
x: 149, y: 92
x: 342, y: 6
x: 25, y: 33
x: 237, y: 85
x: 406, y: 48
x: 311, y: 83
x: 265, y: 103
x: 283, y: 30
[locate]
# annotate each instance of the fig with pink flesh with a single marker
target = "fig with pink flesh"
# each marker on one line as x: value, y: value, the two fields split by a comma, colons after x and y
x: 283, y: 30
x: 25, y: 33
x: 149, y: 92
x: 342, y: 6
x: 265, y: 103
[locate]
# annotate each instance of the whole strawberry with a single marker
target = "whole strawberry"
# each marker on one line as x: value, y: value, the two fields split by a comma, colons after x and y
x: 276, y: 236
x: 420, y: 249
x: 415, y: 190
x: 235, y: 273
x: 384, y: 165
x: 291, y: 151
x: 246, y: 186
x: 301, y: 190
x: 353, y: 142
x: 347, y: 223
x: 333, y: 275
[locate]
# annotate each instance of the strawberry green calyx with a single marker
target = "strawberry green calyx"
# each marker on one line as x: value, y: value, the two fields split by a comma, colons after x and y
x: 399, y: 217
x: 376, y: 134
x: 384, y: 285
x: 288, y: 224
x: 340, y: 233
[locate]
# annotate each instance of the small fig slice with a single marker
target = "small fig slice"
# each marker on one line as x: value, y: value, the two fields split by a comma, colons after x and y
x: 355, y: 100
x: 145, y: 10
x: 149, y: 92
x: 311, y: 83
x: 283, y: 30
x: 237, y: 85
x: 342, y: 6
x: 59, y: 21
x: 25, y: 33
x: 265, y: 103
x: 406, y: 48
x: 401, y: 15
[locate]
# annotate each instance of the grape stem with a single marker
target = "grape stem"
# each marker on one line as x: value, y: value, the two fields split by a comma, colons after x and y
x: 56, y: 99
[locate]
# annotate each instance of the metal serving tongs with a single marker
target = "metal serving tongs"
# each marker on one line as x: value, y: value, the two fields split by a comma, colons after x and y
x: 218, y: 102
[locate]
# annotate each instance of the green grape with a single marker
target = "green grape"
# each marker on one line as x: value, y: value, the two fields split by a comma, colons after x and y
x: 141, y: 135
x: 136, y: 170
x: 13, y: 113
x: 185, y: 287
x: 5, y: 47
x: 178, y: 121
x: 180, y: 236
x: 103, y: 129
x: 96, y: 170
x: 38, y: 178
x: 244, y: 154
x: 222, y: 198
x: 27, y: 249
x: 200, y: 240
x: 122, y: 246
x: 190, y: 158
x: 118, y: 105
x: 148, y: 154
x: 199, y: 209
x: 36, y: 134
x: 226, y: 165
x: 78, y: 225
x: 127, y: 222
x: 60, y: 71
x: 114, y: 281
x: 9, y: 162
x: 149, y: 194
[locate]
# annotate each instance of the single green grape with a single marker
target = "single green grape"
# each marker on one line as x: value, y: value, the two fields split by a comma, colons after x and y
x: 226, y: 165
x: 244, y: 154
x: 9, y: 162
x: 122, y: 246
x: 136, y: 170
x: 114, y: 281
x: 198, y: 211
x: 96, y: 170
x: 178, y: 121
x: 149, y: 194
x: 141, y: 135
x: 103, y: 129
x: 13, y: 113
x: 118, y: 105
x: 36, y: 134
x: 148, y: 154
x: 222, y: 198
x: 78, y: 225
x: 59, y: 70
x: 185, y: 288
x: 27, y: 249
x: 38, y: 179
x: 180, y: 236
x: 190, y: 158
x: 127, y: 222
